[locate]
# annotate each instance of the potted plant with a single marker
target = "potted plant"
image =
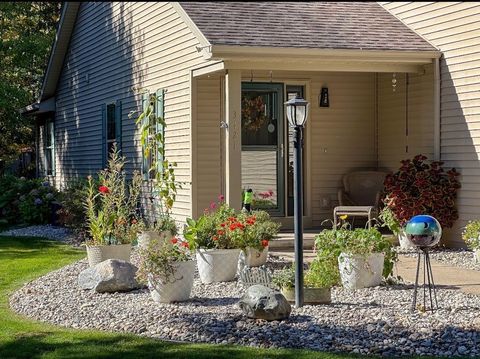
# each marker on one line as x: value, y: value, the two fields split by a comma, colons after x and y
x: 111, y: 212
x: 319, y: 278
x: 471, y: 236
x: 363, y: 255
x: 168, y: 268
x: 216, y: 244
x: 259, y: 229
x: 422, y: 187
x: 161, y: 175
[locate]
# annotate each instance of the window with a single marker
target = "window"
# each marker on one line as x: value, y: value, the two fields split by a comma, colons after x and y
x: 48, y: 133
x: 112, y: 128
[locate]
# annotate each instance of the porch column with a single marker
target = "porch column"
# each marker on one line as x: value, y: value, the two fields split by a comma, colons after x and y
x: 233, y: 141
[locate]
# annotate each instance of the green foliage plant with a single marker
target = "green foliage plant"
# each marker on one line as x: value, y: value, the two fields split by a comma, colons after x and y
x: 388, y: 219
x: 205, y: 232
x: 153, y: 142
x: 320, y: 274
x: 111, y: 208
x: 330, y: 243
x: 471, y: 234
x: 158, y: 259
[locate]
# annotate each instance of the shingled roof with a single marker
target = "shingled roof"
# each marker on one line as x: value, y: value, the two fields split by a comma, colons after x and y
x: 321, y: 25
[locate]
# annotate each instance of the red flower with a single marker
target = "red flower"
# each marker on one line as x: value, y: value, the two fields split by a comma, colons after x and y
x: 220, y: 232
x: 222, y: 224
x: 215, y: 238
x: 185, y: 244
x: 174, y: 240
x: 104, y: 189
x: 233, y: 226
x: 264, y: 243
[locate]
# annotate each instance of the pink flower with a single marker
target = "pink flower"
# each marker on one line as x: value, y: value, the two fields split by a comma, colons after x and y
x: 212, y: 205
x: 221, y: 198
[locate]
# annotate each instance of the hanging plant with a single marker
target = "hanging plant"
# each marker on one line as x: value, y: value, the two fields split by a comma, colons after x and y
x: 253, y: 113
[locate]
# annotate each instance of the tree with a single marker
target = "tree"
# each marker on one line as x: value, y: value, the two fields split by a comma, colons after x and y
x: 27, y: 31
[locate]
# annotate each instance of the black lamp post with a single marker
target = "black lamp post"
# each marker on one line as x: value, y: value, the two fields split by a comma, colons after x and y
x: 297, y: 111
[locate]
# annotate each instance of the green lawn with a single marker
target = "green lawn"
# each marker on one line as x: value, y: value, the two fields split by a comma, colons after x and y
x: 23, y: 259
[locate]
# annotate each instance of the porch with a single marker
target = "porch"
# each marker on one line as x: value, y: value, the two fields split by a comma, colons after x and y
x: 382, y: 109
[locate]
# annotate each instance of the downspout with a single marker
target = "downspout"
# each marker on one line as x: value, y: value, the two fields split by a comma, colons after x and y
x: 436, y: 109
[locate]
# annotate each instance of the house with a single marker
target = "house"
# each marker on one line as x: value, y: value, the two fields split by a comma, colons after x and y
x: 392, y: 94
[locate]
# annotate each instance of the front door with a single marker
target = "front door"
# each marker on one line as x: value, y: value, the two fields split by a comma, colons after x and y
x: 263, y: 145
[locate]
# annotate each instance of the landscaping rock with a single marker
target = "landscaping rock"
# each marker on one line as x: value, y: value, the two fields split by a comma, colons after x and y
x: 260, y: 302
x: 112, y: 275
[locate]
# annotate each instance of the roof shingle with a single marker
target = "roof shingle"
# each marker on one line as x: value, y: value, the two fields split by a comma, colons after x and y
x: 323, y: 25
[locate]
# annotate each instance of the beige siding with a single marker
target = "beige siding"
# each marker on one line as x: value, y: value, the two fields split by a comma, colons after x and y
x: 208, y: 139
x: 405, y: 117
x: 454, y: 27
x: 121, y: 46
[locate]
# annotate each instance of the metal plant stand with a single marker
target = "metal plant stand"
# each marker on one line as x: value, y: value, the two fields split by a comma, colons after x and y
x: 427, y: 280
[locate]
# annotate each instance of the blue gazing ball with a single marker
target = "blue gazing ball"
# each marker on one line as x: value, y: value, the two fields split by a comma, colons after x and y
x: 423, y: 231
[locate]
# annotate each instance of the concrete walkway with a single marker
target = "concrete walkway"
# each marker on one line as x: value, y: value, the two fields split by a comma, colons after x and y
x: 445, y: 276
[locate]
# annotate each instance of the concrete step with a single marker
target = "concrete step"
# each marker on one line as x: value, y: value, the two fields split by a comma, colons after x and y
x: 286, y: 241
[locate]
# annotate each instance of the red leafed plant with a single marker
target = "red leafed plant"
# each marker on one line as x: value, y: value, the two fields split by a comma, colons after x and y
x: 422, y: 187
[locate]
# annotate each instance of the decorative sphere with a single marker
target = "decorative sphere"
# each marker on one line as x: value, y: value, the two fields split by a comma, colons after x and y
x: 423, y: 231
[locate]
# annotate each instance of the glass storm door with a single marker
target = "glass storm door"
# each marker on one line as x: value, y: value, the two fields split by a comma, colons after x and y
x: 263, y: 145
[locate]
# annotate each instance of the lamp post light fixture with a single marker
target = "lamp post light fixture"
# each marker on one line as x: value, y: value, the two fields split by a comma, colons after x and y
x: 297, y: 112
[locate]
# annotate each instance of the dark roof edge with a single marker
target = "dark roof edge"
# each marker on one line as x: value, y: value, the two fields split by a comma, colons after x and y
x: 59, y: 49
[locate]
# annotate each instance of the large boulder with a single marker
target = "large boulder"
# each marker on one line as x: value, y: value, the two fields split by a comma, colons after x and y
x: 260, y: 302
x: 112, y: 275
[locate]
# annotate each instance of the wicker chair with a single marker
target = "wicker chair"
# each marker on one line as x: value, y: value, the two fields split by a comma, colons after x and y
x: 360, y: 195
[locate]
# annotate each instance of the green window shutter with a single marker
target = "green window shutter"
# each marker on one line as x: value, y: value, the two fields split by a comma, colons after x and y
x: 160, y: 128
x: 118, y: 124
x: 104, y: 134
x: 145, y: 164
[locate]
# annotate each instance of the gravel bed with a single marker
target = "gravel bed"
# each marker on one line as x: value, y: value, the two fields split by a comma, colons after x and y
x: 368, y: 321
x: 462, y: 258
x: 55, y: 233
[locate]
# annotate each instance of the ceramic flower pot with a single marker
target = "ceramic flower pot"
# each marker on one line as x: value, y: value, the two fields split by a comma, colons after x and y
x: 357, y: 271
x: 146, y: 237
x: 476, y: 256
x: 310, y: 295
x: 217, y: 265
x: 98, y: 254
x: 404, y: 242
x: 178, y: 286
x: 255, y: 258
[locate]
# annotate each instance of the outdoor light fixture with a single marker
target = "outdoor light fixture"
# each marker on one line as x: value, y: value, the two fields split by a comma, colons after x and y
x: 297, y: 112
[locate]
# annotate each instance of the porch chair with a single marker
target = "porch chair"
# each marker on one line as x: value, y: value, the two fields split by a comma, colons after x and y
x: 360, y: 195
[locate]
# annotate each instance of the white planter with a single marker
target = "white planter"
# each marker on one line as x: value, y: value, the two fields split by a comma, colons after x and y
x: 217, y: 265
x: 404, y: 242
x: 177, y: 288
x: 357, y: 271
x: 98, y: 254
x: 311, y: 296
x: 146, y: 237
x: 476, y: 255
x: 255, y: 258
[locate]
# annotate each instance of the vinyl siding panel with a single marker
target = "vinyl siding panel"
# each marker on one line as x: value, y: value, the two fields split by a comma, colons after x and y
x: 209, y: 172
x: 454, y: 27
x: 115, y: 50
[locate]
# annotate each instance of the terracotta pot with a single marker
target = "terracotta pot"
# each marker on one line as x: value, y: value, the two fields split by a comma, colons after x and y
x: 310, y: 295
x: 357, y: 271
x: 177, y: 288
x: 98, y: 254
x: 217, y: 265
